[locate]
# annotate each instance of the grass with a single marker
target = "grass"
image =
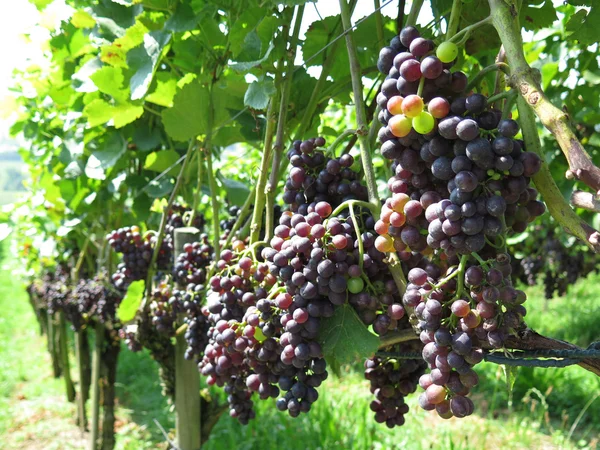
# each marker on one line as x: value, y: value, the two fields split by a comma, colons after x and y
x: 546, y: 402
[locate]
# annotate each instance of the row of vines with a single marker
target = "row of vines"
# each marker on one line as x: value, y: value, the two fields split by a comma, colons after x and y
x: 257, y: 203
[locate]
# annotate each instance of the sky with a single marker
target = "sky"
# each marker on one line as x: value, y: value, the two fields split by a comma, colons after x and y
x: 24, y: 30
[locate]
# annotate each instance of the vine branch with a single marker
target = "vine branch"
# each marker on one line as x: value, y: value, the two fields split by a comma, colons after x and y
x: 557, y: 205
x: 504, y: 15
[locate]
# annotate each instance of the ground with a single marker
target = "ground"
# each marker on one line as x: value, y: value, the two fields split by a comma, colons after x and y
x: 551, y: 408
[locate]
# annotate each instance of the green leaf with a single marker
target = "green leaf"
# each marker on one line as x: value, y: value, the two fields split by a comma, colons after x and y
x: 126, y: 113
x: 84, y: 76
x: 161, y: 161
x: 535, y: 17
x: 549, y: 70
x: 246, y: 66
x: 183, y: 19
x: 159, y: 188
x: 166, y: 87
x: 109, y: 80
x: 237, y: 192
x: 131, y: 302
x: 82, y: 19
x: 259, y: 92
x: 245, y: 23
x: 345, y: 338
x: 585, y: 26
x: 105, y: 154
x: 115, y: 54
x: 146, y: 139
x: 143, y: 60
x: 188, y: 117
x: 98, y: 112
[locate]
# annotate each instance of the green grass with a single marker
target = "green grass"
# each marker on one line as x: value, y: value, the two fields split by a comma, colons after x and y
x: 546, y: 402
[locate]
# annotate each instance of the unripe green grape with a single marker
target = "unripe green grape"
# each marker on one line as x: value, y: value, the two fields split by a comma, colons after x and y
x: 423, y: 123
x: 355, y: 285
x: 447, y: 52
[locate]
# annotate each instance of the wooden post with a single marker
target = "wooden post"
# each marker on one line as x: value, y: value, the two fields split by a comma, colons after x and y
x: 64, y: 356
x: 187, y: 377
x: 82, y: 353
x: 52, y: 345
x: 109, y: 362
x: 96, y: 365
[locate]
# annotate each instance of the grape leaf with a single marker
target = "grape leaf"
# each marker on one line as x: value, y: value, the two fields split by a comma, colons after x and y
x: 166, y: 87
x: 109, y: 80
x: 237, y: 192
x: 585, y: 26
x: 143, y: 59
x: 188, y: 117
x: 82, y: 19
x: 115, y: 53
x: 105, y: 154
x: 245, y: 23
x: 131, y: 302
x: 535, y: 17
x: 247, y: 65
x: 259, y: 92
x: 161, y: 161
x: 345, y: 338
x: 183, y: 19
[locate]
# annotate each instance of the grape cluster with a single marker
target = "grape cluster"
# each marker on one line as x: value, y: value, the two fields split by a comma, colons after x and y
x: 461, y: 183
x: 559, y: 265
x: 314, y: 177
x: 190, y: 266
x: 391, y: 381
x: 97, y: 300
x: 137, y: 249
x: 137, y: 253
x: 188, y: 303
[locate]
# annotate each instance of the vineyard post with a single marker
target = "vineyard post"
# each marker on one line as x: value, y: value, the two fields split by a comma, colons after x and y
x: 96, y: 364
x: 82, y: 354
x: 52, y: 345
x: 187, y: 378
x: 110, y: 357
x: 64, y: 356
x: 83, y: 363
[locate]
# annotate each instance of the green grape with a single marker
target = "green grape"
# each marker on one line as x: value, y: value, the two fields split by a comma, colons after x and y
x: 355, y: 285
x: 447, y: 52
x: 423, y: 123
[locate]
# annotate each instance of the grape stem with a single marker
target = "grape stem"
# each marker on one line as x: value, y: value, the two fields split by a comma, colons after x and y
x: 499, y: 66
x: 271, y: 188
x: 527, y: 82
x: 508, y: 106
x: 260, y: 197
x: 378, y: 23
x: 413, y: 14
x: 501, y: 95
x: 465, y: 32
x: 397, y: 337
x: 331, y: 149
x: 163, y: 224
x: 374, y: 210
x: 361, y: 118
x: 454, y: 21
x: 461, y: 274
x: 421, y: 86
x: 198, y: 192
